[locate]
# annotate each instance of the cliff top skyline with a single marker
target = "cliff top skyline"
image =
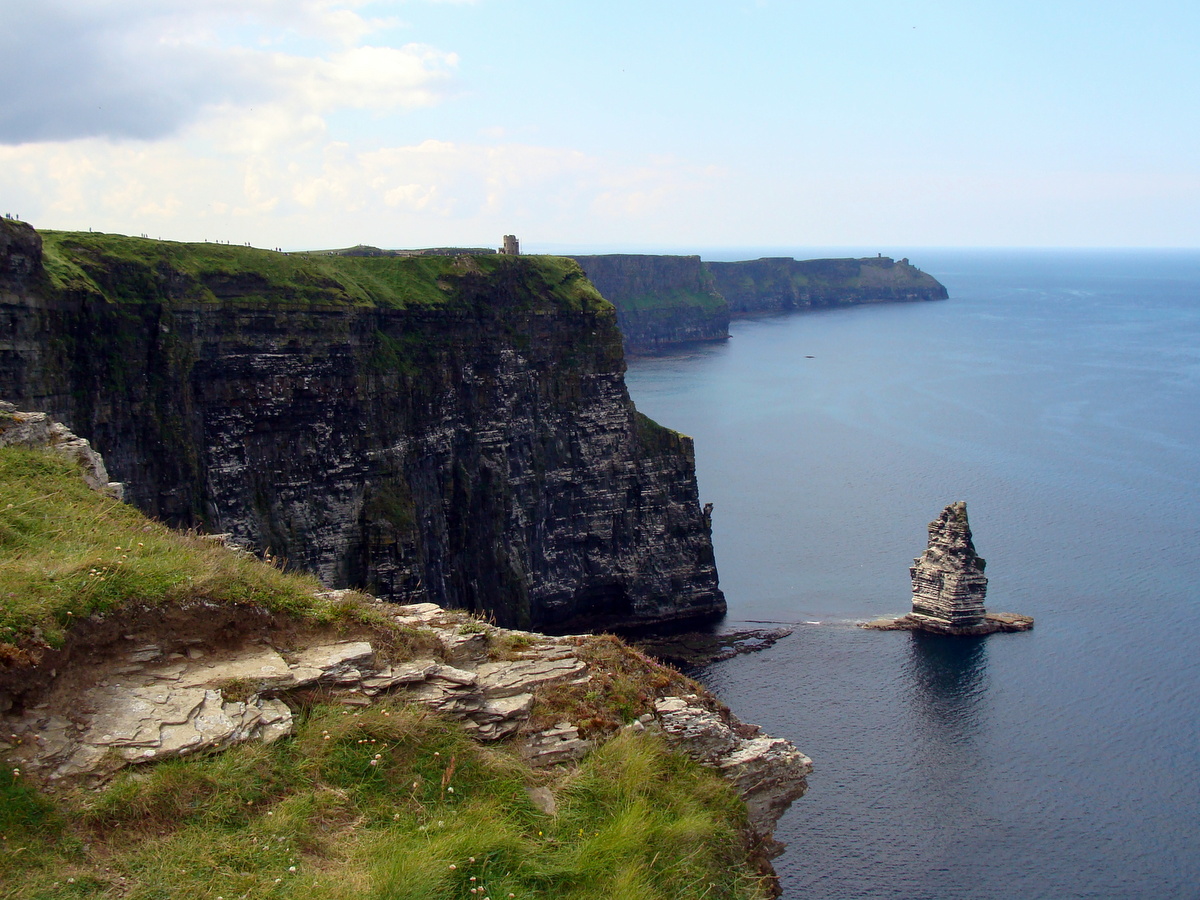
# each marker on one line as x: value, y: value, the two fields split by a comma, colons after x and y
x: 605, y: 126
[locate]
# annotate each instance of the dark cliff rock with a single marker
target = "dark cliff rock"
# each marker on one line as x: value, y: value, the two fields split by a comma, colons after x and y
x: 780, y: 284
x: 663, y: 300
x: 447, y: 429
x: 659, y: 299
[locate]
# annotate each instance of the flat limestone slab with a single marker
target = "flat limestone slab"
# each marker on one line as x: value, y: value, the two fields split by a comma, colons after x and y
x: 992, y: 623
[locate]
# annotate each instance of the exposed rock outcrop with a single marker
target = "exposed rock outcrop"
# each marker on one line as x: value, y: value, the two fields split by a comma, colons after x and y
x: 180, y: 696
x: 949, y: 587
x: 768, y: 772
x: 36, y: 429
x: 445, y: 429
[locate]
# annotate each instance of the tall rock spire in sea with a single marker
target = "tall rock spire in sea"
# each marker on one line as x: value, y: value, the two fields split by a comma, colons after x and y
x: 948, y: 583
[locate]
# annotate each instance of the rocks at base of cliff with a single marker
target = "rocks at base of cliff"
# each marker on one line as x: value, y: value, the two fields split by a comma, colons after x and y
x: 992, y: 623
x: 769, y: 773
x: 694, y: 649
x: 35, y: 429
x: 156, y: 701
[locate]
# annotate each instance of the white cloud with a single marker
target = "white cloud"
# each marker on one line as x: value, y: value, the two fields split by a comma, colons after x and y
x: 270, y: 188
x: 212, y: 120
x: 145, y: 70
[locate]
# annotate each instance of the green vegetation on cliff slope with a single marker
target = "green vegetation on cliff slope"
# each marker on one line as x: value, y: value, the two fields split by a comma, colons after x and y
x: 387, y: 802
x: 67, y: 552
x: 390, y: 801
x: 709, y: 301
x: 816, y: 278
x: 126, y: 269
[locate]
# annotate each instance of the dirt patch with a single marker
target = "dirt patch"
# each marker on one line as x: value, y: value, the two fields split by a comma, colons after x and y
x: 99, y: 645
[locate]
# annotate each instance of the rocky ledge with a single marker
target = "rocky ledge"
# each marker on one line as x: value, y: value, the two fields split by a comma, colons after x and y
x: 36, y: 429
x: 992, y: 623
x: 695, y: 649
x: 144, y: 701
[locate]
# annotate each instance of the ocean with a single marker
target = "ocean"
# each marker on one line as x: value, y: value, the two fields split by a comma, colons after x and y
x: 1058, y: 394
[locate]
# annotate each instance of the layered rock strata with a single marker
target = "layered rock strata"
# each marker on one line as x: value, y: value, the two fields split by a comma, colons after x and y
x: 445, y: 429
x: 949, y: 587
x: 180, y: 696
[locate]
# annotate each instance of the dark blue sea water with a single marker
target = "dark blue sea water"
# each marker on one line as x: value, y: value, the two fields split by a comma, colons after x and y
x: 1058, y: 393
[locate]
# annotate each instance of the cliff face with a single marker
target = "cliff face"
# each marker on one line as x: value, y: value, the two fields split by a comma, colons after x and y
x: 659, y: 299
x: 454, y: 430
x: 664, y: 300
x: 781, y: 284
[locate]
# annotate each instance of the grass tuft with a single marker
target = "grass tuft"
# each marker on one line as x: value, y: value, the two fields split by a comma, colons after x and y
x: 389, y: 802
x: 70, y: 552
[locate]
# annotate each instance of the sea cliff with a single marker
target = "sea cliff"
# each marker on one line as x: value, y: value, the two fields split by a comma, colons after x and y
x: 659, y: 299
x: 782, y: 284
x: 179, y: 718
x: 446, y: 429
x: 664, y: 300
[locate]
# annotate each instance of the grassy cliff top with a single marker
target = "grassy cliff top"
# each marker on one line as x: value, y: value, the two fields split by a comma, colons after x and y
x: 389, y: 801
x: 866, y: 273
x: 126, y: 269
x: 69, y: 552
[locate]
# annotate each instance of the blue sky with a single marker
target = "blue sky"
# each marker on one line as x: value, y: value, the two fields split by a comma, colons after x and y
x: 606, y: 126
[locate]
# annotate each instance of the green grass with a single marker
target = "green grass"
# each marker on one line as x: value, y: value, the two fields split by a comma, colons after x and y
x: 387, y: 802
x: 67, y: 552
x: 125, y: 269
x: 390, y: 802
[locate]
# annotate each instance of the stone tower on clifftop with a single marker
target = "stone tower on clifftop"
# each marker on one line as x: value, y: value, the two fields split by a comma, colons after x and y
x: 948, y: 581
x: 511, y: 246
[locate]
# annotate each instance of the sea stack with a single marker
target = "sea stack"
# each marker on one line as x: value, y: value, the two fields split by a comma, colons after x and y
x: 949, y: 586
x: 948, y: 583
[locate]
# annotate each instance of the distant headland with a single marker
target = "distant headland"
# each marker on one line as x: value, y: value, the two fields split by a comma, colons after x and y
x: 664, y: 299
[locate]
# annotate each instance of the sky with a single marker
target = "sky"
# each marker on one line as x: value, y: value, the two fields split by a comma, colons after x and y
x: 652, y: 125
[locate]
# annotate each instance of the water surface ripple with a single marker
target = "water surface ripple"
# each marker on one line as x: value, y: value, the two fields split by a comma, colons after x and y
x: 1058, y: 393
